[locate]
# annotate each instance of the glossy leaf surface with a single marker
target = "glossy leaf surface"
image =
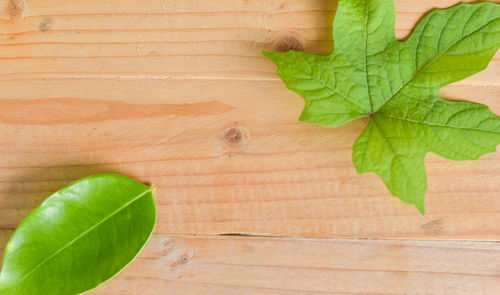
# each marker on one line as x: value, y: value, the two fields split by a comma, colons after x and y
x: 79, y: 237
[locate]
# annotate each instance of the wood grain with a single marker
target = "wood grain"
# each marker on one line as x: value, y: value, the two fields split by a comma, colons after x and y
x: 176, y: 93
x: 220, y: 265
x: 181, y: 265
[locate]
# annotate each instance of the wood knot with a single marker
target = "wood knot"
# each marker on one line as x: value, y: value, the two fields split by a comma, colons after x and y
x: 287, y: 43
x: 183, y: 259
x: 434, y: 226
x: 46, y: 24
x: 15, y: 9
x: 233, y: 136
x: 236, y: 135
x: 168, y: 246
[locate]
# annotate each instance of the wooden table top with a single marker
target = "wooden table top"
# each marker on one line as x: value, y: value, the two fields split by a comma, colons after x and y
x: 250, y: 201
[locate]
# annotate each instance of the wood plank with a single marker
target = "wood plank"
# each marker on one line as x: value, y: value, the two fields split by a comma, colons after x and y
x: 249, y: 265
x: 271, y: 266
x: 281, y: 177
x: 175, y: 93
x: 168, y: 39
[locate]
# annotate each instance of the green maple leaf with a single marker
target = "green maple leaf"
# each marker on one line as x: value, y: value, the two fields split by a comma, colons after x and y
x: 396, y: 84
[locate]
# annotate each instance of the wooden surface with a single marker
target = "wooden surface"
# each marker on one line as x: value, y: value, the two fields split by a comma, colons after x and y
x: 238, y: 265
x: 176, y: 93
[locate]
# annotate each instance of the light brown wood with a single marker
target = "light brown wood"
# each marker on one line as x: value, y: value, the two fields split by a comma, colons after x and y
x: 254, y: 265
x: 181, y: 265
x: 189, y: 265
x: 282, y: 178
x: 303, y: 172
x: 176, y: 93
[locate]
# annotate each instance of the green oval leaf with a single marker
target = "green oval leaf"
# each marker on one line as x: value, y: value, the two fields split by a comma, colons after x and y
x: 79, y: 237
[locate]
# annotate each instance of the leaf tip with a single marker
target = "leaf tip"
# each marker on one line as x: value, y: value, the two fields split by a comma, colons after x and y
x: 420, y: 207
x: 303, y: 117
x: 269, y: 54
x: 266, y: 53
x: 272, y: 55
